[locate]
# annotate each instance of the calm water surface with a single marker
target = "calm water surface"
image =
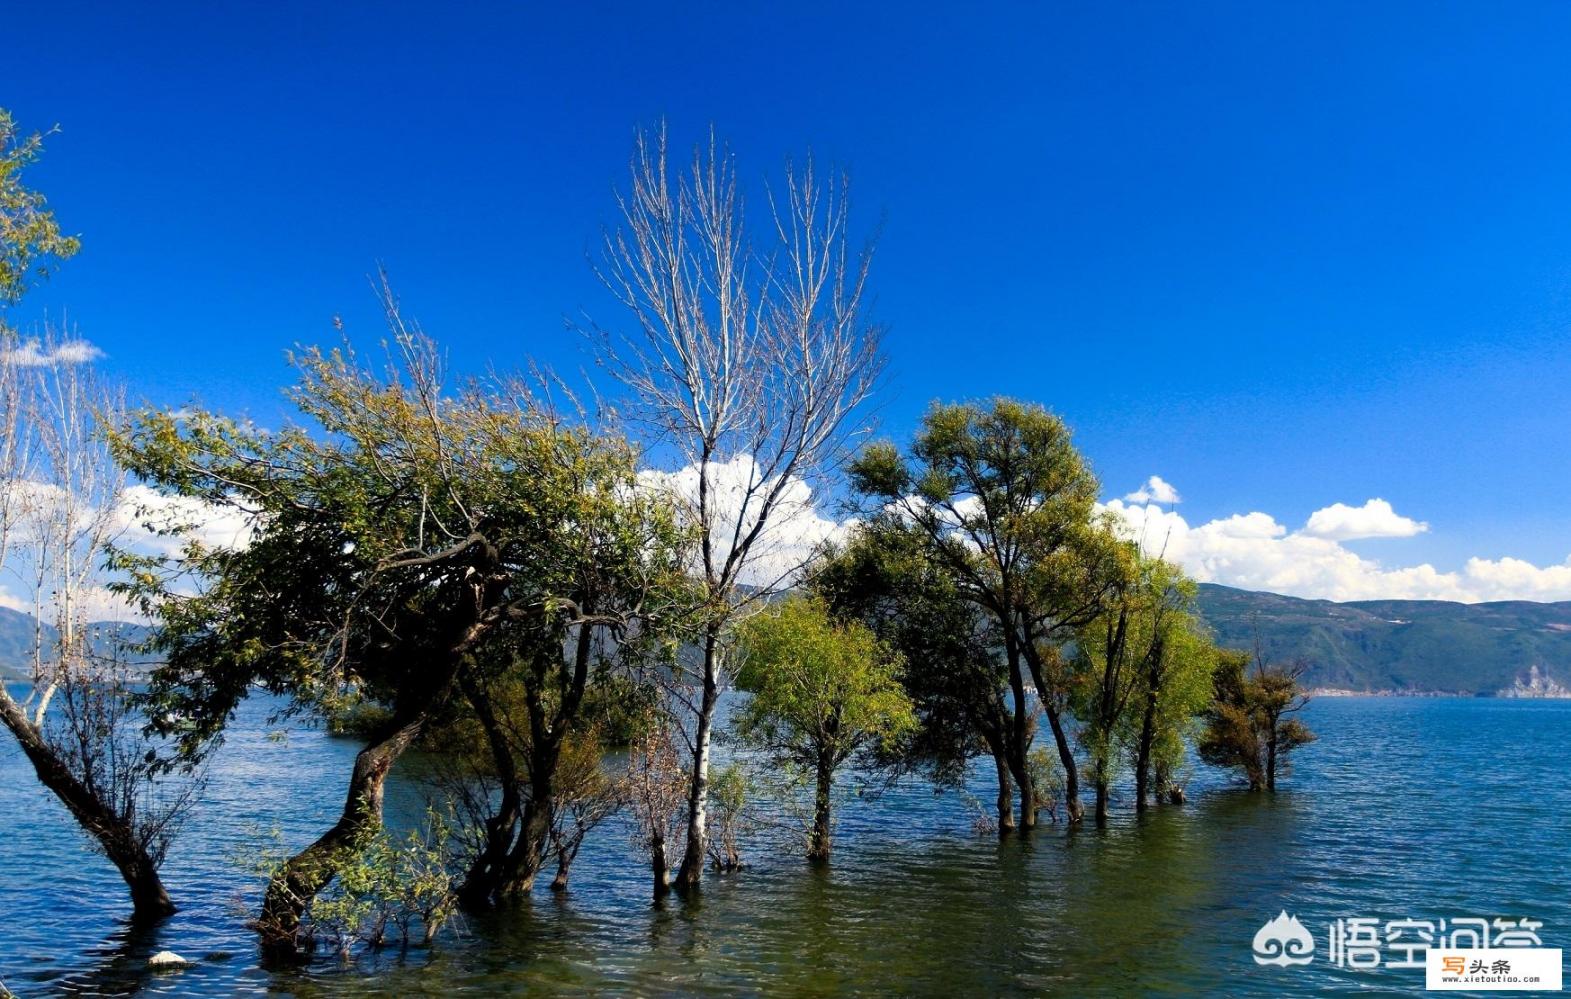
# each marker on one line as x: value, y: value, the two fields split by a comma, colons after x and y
x: 1421, y: 808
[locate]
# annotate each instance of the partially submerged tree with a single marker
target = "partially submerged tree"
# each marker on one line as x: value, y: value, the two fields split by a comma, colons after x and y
x: 886, y: 577
x: 822, y: 693
x: 60, y: 497
x: 657, y: 789
x: 1174, y: 689
x: 1249, y: 726
x: 1005, y: 503
x: 608, y: 565
x: 388, y: 546
x: 750, y: 361
x: 60, y: 507
x: 1142, y: 672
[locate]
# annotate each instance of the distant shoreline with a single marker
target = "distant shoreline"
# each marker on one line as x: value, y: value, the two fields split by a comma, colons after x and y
x: 1501, y: 695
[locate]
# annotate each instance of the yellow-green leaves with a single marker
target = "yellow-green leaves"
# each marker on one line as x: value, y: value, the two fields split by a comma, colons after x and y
x: 819, y: 687
x: 30, y: 237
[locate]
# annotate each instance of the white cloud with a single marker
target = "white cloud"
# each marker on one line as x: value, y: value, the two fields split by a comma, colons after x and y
x: 1375, y: 519
x: 1255, y: 552
x: 35, y: 354
x: 1156, y: 490
x: 143, y: 511
x: 795, y: 527
x: 131, y: 524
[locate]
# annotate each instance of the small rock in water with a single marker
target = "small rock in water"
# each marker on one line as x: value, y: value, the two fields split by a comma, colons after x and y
x: 167, y: 959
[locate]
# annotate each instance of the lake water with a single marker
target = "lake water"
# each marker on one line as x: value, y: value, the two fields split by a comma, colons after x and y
x: 1426, y: 809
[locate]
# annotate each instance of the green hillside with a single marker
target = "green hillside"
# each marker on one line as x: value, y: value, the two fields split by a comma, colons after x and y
x: 1399, y: 645
x: 1410, y: 646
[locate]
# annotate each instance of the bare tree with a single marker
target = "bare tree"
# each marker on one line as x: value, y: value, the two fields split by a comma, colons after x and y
x: 751, y: 366
x: 655, y: 788
x: 60, y: 497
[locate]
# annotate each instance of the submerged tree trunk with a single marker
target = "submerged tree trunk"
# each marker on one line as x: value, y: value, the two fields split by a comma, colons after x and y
x: 1103, y: 783
x: 659, y: 867
x: 1019, y: 740
x: 113, y: 833
x: 1143, y: 756
x: 488, y: 869
x: 1006, y: 792
x: 1271, y: 758
x: 565, y: 855
x: 1020, y: 771
x: 518, y: 836
x: 528, y: 855
x: 692, y: 869
x: 1073, y: 809
x: 306, y: 873
x: 818, y: 844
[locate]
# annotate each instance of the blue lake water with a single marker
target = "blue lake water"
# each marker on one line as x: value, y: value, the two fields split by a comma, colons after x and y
x: 1428, y: 809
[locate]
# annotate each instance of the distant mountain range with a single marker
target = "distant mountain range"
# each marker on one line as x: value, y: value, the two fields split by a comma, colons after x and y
x: 1511, y: 648
x: 17, y: 636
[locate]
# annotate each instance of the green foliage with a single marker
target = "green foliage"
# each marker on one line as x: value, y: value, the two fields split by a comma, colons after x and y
x: 887, y: 578
x: 1142, y: 669
x: 408, y: 529
x: 391, y: 891
x: 1006, y: 501
x: 30, y: 236
x: 730, y: 795
x: 1249, y: 726
x: 1183, y: 686
x: 821, y: 690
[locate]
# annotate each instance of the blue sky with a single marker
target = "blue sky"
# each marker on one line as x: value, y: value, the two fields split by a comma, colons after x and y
x: 1281, y: 256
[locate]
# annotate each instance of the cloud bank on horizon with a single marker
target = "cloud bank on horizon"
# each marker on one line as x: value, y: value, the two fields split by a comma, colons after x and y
x: 1253, y: 551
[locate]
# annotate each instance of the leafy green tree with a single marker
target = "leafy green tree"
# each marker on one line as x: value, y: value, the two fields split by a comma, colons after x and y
x: 391, y: 545
x: 1175, y: 688
x: 1109, y: 654
x: 822, y: 692
x: 1142, y: 671
x: 1249, y: 725
x: 886, y: 577
x: 30, y: 236
x: 1006, y: 503
x: 614, y: 559
x: 733, y: 792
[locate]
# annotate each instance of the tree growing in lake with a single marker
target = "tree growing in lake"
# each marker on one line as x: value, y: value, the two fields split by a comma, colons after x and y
x: 391, y: 544
x: 822, y: 692
x: 1174, y: 689
x: 608, y: 563
x: 1004, y: 502
x: 1249, y: 726
x: 60, y: 501
x: 60, y: 507
x: 1142, y: 673
x: 886, y: 577
x: 749, y: 360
